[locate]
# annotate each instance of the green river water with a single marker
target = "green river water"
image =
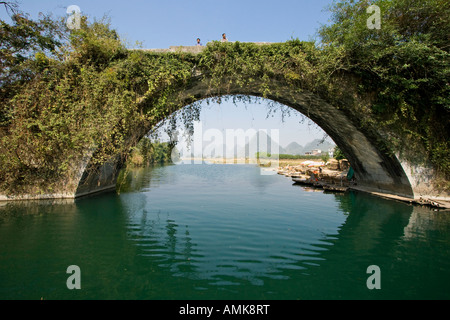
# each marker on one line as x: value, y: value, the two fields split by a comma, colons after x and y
x: 222, y: 232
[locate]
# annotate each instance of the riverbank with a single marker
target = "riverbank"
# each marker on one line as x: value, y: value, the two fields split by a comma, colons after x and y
x: 334, y: 176
x: 279, y: 162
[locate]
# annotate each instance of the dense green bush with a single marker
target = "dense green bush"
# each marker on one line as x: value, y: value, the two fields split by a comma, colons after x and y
x: 148, y: 153
x: 338, y: 154
x: 404, y: 66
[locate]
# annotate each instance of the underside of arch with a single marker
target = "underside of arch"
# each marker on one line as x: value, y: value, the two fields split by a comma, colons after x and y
x: 375, y: 170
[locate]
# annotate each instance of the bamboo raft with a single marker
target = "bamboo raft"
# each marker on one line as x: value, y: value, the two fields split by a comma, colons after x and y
x: 334, y: 188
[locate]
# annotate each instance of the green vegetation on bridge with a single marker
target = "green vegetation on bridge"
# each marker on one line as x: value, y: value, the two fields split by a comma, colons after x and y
x: 66, y: 94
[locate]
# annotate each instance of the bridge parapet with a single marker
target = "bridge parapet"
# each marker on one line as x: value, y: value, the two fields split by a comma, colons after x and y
x: 190, y: 49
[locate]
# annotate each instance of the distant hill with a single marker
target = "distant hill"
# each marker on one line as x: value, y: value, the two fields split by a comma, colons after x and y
x: 262, y: 142
x: 293, y: 148
x: 315, y: 144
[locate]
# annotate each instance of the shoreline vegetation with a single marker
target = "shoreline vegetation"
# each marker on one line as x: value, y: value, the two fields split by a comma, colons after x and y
x: 147, y: 153
x: 218, y: 160
x: 150, y: 152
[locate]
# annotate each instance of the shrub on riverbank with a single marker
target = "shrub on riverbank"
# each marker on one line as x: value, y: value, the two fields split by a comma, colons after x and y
x: 148, y: 153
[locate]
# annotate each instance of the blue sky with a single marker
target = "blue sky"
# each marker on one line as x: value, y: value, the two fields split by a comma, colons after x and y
x: 160, y: 24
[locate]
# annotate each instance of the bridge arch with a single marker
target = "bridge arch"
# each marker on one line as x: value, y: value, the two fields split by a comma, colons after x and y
x: 376, y: 169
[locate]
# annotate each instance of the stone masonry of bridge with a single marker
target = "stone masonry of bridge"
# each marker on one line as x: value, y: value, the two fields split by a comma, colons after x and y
x: 375, y: 171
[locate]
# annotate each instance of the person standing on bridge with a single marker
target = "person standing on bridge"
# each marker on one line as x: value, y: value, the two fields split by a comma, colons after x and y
x: 199, y: 44
x: 224, y: 38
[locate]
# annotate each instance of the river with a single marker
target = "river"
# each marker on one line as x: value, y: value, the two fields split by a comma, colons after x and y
x: 223, y: 232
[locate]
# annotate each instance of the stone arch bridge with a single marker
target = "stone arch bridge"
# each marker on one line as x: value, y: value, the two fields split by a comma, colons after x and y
x: 377, y: 170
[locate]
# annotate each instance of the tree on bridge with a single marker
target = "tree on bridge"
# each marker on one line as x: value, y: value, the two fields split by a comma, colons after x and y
x: 405, y: 64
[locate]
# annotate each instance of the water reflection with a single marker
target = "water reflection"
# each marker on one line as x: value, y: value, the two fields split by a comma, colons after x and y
x: 424, y: 221
x: 181, y: 232
x: 228, y: 250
